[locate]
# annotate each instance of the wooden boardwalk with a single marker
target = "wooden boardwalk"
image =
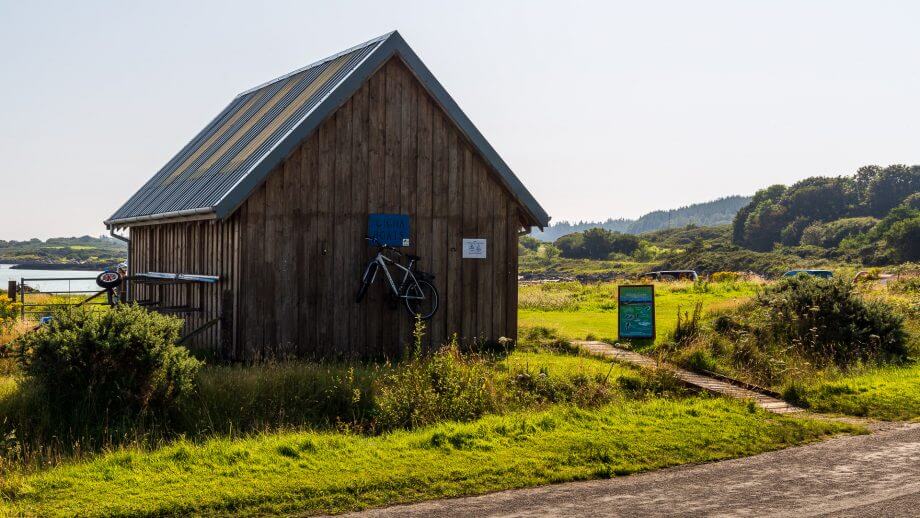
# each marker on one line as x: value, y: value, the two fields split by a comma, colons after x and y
x: 706, y: 383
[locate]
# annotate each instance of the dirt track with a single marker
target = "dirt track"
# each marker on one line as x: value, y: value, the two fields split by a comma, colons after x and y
x: 869, y: 475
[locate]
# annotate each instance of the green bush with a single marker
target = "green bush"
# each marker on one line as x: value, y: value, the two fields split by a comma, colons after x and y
x: 113, y: 363
x: 9, y: 310
x: 526, y: 387
x: 725, y: 277
x: 445, y: 385
x: 596, y: 243
x: 701, y: 361
x: 688, y: 325
x: 652, y: 382
x: 908, y: 285
x: 831, y: 234
x: 904, y: 239
x: 827, y: 319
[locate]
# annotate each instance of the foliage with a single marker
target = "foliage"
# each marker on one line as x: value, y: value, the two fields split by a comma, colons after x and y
x: 829, y: 235
x: 425, y: 390
x: 910, y: 285
x: 367, y: 398
x: 912, y: 202
x: 688, y: 325
x: 823, y: 211
x: 904, y: 238
x: 886, y: 188
x: 9, y: 312
x: 86, y: 249
x: 108, y: 363
x: 799, y: 327
x: 529, y: 243
x: 828, y: 319
x: 596, y: 243
x: 725, y: 277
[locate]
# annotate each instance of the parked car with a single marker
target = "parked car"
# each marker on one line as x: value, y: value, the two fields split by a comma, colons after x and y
x: 824, y: 274
x: 672, y: 275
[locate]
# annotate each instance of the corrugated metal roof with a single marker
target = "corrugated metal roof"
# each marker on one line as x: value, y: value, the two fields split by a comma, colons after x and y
x: 222, y: 165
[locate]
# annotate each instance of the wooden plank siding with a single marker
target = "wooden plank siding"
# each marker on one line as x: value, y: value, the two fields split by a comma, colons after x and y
x: 292, y: 255
x: 198, y: 247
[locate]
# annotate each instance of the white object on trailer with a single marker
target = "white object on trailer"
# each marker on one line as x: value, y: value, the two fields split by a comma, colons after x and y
x: 211, y: 279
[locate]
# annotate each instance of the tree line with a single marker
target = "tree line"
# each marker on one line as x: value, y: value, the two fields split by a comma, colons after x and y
x: 874, y: 214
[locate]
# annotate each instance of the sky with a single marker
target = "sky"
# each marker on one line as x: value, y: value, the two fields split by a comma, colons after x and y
x: 603, y: 109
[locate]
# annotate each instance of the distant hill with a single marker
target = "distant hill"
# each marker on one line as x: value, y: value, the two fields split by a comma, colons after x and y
x: 64, y: 250
x: 717, y: 212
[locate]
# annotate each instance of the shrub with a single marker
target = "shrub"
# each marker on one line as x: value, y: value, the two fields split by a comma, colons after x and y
x: 725, y: 277
x: 9, y: 310
x: 114, y: 362
x: 904, y: 238
x: 827, y: 319
x: 538, y: 387
x: 701, y: 361
x: 912, y: 202
x: 687, y: 328
x: 724, y: 324
x: 427, y: 389
x: 829, y: 235
x: 540, y: 337
x: 796, y: 394
x: 907, y: 285
x: 652, y: 382
x: 528, y: 243
x: 596, y: 243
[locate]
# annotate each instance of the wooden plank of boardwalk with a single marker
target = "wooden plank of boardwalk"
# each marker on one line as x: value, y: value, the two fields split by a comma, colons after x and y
x: 706, y: 383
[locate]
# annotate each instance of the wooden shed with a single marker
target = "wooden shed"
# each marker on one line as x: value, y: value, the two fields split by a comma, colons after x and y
x: 273, y: 198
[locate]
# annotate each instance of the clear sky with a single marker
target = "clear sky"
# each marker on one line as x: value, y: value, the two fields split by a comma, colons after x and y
x: 603, y: 109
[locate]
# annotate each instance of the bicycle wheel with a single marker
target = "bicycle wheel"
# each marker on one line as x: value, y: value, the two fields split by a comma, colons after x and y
x: 421, y: 300
x: 366, y: 281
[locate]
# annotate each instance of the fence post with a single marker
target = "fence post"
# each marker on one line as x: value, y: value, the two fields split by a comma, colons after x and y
x: 11, y: 290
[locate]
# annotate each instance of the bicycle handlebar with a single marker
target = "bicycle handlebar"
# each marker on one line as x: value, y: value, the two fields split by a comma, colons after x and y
x: 381, y: 245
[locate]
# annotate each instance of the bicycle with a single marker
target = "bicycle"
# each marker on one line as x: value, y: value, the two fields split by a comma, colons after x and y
x: 416, y: 290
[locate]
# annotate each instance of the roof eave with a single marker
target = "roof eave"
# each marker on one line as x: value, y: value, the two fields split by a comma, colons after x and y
x: 174, y: 215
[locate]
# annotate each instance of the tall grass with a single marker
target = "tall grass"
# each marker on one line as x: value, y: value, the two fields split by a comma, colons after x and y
x: 234, y: 401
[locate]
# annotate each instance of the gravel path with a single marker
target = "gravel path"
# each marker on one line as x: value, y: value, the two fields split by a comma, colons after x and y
x: 868, y: 475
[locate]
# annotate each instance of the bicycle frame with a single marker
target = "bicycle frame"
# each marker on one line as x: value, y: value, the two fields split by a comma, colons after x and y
x: 381, y: 261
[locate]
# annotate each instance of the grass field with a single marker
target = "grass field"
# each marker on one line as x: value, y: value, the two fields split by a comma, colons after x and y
x: 307, y: 472
x: 580, y: 311
x: 889, y: 393
x: 267, y: 454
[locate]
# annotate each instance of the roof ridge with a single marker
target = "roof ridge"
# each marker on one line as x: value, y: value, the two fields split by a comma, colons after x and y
x: 367, y: 43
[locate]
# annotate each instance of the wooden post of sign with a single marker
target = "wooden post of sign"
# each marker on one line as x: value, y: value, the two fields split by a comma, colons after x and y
x: 11, y: 290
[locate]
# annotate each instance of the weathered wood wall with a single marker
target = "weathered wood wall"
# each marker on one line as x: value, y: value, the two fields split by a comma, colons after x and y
x: 389, y: 149
x: 290, y: 258
x: 199, y: 247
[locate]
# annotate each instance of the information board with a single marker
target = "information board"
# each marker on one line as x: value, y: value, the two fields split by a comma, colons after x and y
x: 389, y: 229
x: 474, y: 248
x: 636, y: 311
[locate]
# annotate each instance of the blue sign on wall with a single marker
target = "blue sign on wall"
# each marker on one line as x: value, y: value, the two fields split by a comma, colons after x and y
x: 389, y: 229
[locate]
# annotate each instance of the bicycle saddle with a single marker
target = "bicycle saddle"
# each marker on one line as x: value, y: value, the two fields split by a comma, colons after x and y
x: 413, y: 257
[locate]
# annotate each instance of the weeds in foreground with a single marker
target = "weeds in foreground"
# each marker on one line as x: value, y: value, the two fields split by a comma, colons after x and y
x: 425, y: 388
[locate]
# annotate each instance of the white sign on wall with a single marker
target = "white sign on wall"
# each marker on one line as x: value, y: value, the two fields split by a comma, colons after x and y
x: 474, y: 248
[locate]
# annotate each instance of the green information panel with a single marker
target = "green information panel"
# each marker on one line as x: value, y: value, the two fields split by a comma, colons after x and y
x: 636, y: 311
